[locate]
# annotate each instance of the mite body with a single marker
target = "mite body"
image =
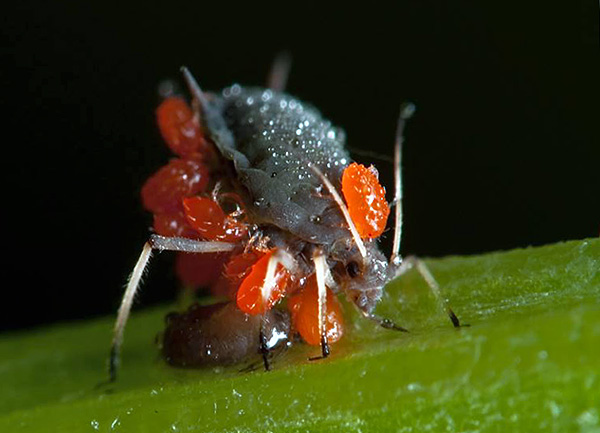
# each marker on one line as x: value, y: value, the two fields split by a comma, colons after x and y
x: 266, y: 182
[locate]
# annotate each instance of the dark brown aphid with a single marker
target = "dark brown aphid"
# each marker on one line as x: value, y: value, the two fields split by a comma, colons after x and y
x: 221, y: 334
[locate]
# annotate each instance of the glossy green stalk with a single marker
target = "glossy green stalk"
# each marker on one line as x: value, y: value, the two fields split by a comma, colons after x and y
x: 530, y: 361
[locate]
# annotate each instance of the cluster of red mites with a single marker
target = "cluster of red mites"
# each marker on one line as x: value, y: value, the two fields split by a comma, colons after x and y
x: 186, y: 199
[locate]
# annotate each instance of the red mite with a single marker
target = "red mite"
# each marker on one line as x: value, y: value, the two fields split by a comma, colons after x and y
x: 263, y: 188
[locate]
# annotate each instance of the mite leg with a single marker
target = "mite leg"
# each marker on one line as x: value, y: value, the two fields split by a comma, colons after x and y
x: 321, y: 273
x: 421, y: 267
x: 406, y: 112
x: 280, y: 71
x: 159, y: 243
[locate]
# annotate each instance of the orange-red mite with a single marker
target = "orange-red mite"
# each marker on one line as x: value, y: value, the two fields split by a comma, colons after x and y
x: 180, y: 128
x: 365, y: 198
x: 208, y: 218
x: 304, y: 309
x: 250, y: 295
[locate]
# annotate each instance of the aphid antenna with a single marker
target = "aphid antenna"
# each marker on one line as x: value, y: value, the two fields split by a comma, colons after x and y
x: 407, y: 110
x: 336, y: 196
x: 370, y: 154
x: 155, y: 242
x: 280, y: 72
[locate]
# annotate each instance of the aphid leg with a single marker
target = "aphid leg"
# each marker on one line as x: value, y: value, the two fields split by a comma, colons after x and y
x: 280, y: 71
x: 264, y: 346
x: 383, y: 322
x: 421, y: 267
x: 159, y: 243
x: 406, y: 112
x: 125, y: 308
x: 270, y: 279
x: 321, y: 275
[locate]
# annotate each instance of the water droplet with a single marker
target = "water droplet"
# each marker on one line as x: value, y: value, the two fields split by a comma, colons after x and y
x: 95, y: 424
x: 266, y: 95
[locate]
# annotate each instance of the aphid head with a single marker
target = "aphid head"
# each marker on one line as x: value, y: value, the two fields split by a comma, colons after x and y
x: 362, y: 278
x: 364, y: 269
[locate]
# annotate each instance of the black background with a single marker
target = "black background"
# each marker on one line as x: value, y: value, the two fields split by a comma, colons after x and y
x: 503, y: 152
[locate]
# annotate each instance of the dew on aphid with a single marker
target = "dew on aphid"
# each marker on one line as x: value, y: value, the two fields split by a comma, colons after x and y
x: 267, y: 94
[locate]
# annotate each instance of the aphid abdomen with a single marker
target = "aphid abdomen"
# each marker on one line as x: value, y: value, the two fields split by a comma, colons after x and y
x: 273, y: 139
x: 220, y: 334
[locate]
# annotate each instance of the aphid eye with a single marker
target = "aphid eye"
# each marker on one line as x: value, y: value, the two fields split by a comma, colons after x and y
x: 353, y: 269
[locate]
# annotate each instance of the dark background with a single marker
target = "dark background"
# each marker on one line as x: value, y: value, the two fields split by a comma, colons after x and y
x: 503, y: 152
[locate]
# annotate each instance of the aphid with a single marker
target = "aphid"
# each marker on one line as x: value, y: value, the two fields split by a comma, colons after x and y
x: 221, y: 334
x: 266, y: 182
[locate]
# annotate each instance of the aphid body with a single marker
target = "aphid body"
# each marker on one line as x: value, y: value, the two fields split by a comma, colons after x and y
x: 258, y: 180
x: 275, y: 142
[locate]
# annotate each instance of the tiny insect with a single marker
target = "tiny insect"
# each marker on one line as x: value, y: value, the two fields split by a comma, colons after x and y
x: 263, y: 203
